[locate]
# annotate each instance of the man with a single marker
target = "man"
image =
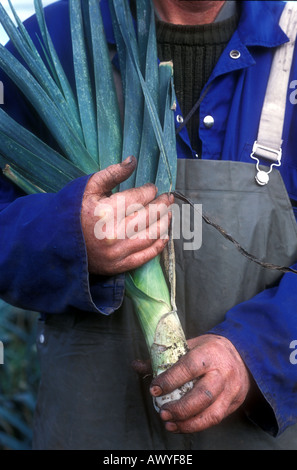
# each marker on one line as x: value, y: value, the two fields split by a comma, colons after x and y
x: 240, y: 318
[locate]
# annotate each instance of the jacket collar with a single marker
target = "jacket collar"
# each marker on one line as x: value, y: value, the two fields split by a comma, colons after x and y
x: 258, y: 26
x: 259, y: 23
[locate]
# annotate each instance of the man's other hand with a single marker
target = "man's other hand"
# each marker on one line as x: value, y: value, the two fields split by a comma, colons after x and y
x: 221, y: 385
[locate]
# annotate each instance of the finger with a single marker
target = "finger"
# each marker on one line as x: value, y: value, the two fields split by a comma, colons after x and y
x: 122, y: 255
x: 149, y: 214
x: 114, y: 215
x: 211, y: 416
x: 205, y: 391
x: 135, y: 199
x: 150, y: 233
x: 189, y: 367
x: 104, y: 181
x: 129, y: 202
x: 138, y: 259
x: 123, y: 245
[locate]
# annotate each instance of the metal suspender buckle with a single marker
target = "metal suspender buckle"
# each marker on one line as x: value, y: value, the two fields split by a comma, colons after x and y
x: 265, y: 153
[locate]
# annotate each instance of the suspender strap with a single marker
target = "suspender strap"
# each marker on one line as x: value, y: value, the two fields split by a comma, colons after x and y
x: 269, y: 142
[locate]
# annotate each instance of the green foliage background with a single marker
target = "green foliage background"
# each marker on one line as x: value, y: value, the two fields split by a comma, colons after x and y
x: 19, y: 377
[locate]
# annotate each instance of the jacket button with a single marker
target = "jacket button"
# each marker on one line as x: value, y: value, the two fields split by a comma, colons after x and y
x: 208, y: 121
x: 41, y: 338
x: 179, y: 119
x: 234, y: 54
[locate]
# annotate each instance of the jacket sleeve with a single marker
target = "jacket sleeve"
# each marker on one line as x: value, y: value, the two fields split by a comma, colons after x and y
x: 264, y: 331
x: 43, y: 262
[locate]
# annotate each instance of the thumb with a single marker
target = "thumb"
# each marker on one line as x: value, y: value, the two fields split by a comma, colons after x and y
x: 105, y: 180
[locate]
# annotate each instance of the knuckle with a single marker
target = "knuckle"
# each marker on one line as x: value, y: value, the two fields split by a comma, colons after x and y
x: 158, y: 247
x: 149, y: 186
x: 182, y: 409
x: 110, y: 174
x: 109, y: 256
x: 120, y: 251
x: 216, y: 417
x: 164, y: 224
x: 151, y: 252
x: 164, y: 199
x: 207, y: 396
x: 190, y: 363
x: 236, y: 389
x: 186, y: 368
x: 149, y: 191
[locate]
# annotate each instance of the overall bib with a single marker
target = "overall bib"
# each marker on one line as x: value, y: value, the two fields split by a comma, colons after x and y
x: 89, y: 396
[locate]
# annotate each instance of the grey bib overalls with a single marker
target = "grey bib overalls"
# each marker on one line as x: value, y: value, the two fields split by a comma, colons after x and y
x: 89, y: 396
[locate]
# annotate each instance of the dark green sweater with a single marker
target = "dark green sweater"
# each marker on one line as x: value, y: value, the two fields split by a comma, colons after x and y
x: 194, y: 51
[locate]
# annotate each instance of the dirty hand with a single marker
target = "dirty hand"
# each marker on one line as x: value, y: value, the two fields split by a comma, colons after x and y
x: 119, y: 233
x: 221, y: 385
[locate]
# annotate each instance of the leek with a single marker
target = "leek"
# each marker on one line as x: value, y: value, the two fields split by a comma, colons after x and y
x: 87, y: 126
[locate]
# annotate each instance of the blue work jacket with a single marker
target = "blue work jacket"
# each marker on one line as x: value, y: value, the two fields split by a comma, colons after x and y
x: 43, y: 262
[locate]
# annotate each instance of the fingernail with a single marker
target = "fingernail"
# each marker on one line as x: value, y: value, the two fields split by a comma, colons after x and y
x: 127, y: 161
x: 166, y: 415
x: 155, y: 391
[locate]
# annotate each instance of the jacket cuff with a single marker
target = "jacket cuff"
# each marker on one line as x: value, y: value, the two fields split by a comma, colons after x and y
x: 107, y: 293
x: 100, y: 294
x: 45, y: 257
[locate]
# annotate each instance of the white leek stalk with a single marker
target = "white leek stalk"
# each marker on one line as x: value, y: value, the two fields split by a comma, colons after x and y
x: 164, y: 335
